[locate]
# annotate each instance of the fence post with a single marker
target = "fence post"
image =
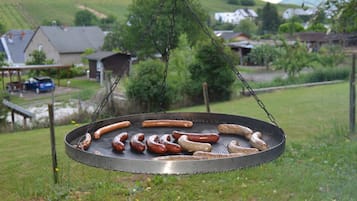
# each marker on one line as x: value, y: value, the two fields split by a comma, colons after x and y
x: 353, y: 96
x: 53, y: 144
x: 205, y: 96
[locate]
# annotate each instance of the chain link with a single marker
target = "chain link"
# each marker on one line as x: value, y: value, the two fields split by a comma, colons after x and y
x: 231, y: 63
x: 169, y: 43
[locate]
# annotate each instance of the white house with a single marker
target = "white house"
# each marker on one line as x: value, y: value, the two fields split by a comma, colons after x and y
x: 290, y: 12
x: 236, y: 16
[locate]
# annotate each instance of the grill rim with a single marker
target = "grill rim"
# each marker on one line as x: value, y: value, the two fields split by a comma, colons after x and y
x: 133, y: 165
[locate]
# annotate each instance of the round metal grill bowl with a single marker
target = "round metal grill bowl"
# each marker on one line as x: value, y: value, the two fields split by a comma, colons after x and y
x: 100, y: 153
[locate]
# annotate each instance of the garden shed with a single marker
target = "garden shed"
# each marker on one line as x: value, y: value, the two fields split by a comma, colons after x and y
x: 99, y: 62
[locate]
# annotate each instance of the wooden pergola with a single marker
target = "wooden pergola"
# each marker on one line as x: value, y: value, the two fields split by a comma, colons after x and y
x: 17, y: 69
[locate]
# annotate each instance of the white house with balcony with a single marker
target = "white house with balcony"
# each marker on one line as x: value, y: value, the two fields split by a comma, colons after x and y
x: 236, y: 16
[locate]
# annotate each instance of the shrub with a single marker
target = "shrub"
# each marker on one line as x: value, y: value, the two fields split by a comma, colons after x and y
x: 211, y: 66
x: 145, y: 86
x: 329, y: 74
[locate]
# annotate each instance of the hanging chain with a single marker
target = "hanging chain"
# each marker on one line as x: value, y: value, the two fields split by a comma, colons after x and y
x: 116, y: 82
x: 170, y: 37
x: 231, y: 63
x: 103, y: 103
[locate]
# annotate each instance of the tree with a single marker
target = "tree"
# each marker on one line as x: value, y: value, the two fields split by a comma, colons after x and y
x: 38, y: 57
x: 114, y: 41
x: 246, y: 26
x: 211, y: 66
x: 330, y: 55
x: 107, y: 23
x: 317, y: 27
x: 294, y: 58
x: 86, y: 52
x: 85, y: 18
x: 263, y: 55
x: 154, y: 26
x: 2, y: 59
x: 178, y: 77
x: 291, y: 28
x: 247, y: 2
x: 145, y: 86
x: 269, y: 18
x: 343, y: 18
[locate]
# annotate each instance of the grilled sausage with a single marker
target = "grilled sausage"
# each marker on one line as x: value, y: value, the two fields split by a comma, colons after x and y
x: 167, y: 123
x: 136, y: 142
x: 211, y: 155
x: 170, y: 146
x: 84, y: 144
x: 191, y: 146
x: 154, y: 145
x: 197, y: 137
x: 235, y: 129
x: 233, y: 147
x: 106, y: 129
x: 257, y: 142
x: 118, y: 142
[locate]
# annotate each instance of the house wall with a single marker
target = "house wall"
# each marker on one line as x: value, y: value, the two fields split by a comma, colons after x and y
x: 70, y: 58
x: 40, y: 41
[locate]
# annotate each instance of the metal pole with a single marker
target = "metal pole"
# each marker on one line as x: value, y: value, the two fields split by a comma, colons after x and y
x: 205, y: 96
x: 353, y: 96
x: 53, y: 144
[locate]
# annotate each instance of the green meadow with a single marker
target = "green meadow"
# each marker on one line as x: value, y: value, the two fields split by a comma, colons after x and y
x: 319, y: 163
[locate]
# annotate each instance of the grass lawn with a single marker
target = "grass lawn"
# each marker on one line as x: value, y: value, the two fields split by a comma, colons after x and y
x: 320, y: 161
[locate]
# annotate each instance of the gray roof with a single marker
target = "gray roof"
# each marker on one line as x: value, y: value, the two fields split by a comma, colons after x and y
x: 98, y: 56
x: 74, y: 39
x: 16, y: 41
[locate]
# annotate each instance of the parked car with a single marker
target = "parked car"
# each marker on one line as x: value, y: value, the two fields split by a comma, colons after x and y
x: 40, y: 84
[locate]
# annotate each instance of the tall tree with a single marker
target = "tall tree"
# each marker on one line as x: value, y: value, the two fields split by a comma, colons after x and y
x: 269, y: 19
x: 155, y: 26
x: 212, y: 66
x: 246, y: 26
x: 344, y: 15
x: 85, y: 18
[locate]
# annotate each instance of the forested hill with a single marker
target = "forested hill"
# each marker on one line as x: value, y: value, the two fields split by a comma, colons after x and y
x: 28, y: 14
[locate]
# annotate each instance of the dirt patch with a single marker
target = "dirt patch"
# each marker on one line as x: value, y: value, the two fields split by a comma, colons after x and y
x: 95, y: 12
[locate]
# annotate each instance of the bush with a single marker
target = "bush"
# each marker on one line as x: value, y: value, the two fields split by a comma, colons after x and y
x: 59, y: 74
x: 212, y: 67
x: 329, y: 74
x: 247, y: 2
x: 145, y: 86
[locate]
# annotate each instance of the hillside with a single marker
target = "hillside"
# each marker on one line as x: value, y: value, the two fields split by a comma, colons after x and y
x: 28, y: 14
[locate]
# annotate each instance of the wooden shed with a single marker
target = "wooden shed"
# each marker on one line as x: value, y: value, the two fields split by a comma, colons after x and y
x: 99, y: 62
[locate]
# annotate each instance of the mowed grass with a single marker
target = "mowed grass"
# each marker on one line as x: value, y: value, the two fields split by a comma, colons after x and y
x: 319, y: 162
